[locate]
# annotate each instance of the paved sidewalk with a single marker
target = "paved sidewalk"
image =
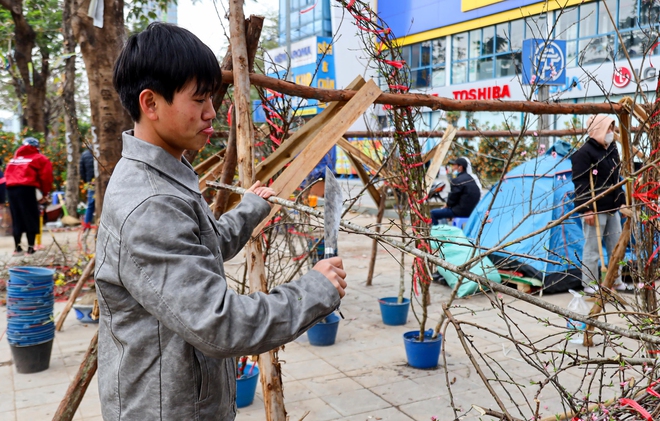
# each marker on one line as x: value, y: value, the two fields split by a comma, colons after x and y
x: 363, y: 376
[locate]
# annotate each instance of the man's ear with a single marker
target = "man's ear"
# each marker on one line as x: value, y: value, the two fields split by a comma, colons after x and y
x: 149, y: 104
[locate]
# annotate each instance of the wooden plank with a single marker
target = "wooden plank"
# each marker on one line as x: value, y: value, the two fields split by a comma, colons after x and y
x: 439, y: 156
x: 365, y: 177
x: 211, y: 175
x: 351, y: 149
x: 301, y: 138
x: 322, y: 142
x: 204, y: 166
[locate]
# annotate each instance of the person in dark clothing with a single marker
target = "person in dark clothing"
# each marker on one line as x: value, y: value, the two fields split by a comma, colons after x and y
x: 463, y: 196
x: 29, y: 177
x: 87, y: 175
x: 597, y: 163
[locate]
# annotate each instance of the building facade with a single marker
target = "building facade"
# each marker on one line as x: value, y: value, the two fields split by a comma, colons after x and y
x: 472, y: 49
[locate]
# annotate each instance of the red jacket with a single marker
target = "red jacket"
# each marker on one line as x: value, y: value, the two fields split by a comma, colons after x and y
x: 30, y: 168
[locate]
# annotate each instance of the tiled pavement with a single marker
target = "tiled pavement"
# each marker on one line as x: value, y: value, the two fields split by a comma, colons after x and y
x: 363, y: 376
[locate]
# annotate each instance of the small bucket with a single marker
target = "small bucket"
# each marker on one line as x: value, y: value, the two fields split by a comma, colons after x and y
x: 393, y: 313
x: 246, y: 386
x: 422, y: 354
x: 33, y: 358
x: 324, y: 332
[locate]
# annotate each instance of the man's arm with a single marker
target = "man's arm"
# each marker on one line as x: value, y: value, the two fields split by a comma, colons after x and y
x: 581, y: 165
x: 175, y: 277
x: 454, y: 194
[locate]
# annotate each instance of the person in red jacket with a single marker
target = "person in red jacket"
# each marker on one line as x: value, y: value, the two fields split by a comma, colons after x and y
x: 29, y: 177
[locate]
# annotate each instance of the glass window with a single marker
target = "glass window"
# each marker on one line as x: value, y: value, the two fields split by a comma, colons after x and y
x: 627, y: 14
x: 566, y: 26
x: 596, y: 50
x: 458, y: 72
x: 405, y: 55
x: 649, y: 12
x: 475, y: 43
x: 425, y: 54
x: 604, y: 22
x: 488, y: 40
x: 536, y: 27
x: 439, y: 76
x: 421, y: 78
x: 588, y: 20
x: 472, y: 70
x: 459, y: 46
x: 502, y: 38
x: 633, y: 41
x: 414, y: 56
x: 438, y: 50
x: 485, y: 68
x: 505, y: 65
x: 517, y: 34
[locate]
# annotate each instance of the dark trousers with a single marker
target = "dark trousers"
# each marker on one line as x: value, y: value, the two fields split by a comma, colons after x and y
x: 441, y: 213
x: 24, y: 210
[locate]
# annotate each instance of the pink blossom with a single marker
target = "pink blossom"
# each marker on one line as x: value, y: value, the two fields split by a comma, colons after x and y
x: 523, y: 153
x: 536, y: 134
x: 554, y: 154
x: 487, y: 212
x: 533, y: 79
x: 489, y: 221
x: 640, y: 285
x: 595, y: 172
x: 434, y: 418
x: 542, y: 146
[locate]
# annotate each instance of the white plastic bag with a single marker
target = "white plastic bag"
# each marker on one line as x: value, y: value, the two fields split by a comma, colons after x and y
x: 580, y: 306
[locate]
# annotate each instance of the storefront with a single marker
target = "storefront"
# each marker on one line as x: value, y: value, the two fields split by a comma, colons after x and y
x: 471, y: 49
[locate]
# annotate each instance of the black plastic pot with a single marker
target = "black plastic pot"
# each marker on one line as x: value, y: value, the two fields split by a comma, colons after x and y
x: 33, y: 358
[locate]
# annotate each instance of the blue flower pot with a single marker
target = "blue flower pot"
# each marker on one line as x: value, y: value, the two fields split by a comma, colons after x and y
x: 393, y: 313
x: 422, y: 354
x: 324, y: 332
x: 246, y: 386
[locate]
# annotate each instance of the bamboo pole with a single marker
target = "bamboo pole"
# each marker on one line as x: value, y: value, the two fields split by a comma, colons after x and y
x: 78, y: 386
x: 75, y: 292
x: 425, y: 100
x: 512, y: 292
x: 269, y: 368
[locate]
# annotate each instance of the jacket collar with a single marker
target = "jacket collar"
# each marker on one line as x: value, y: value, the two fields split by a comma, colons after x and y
x: 156, y: 157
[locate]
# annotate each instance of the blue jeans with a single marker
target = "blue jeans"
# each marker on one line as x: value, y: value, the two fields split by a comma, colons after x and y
x: 91, y: 205
x: 442, y: 213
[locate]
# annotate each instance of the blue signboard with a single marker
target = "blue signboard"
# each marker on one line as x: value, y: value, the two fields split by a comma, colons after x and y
x: 258, y: 113
x: 544, y: 62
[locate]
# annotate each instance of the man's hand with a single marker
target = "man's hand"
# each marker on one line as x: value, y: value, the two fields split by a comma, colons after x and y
x: 333, y: 269
x: 261, y: 191
x: 589, y: 218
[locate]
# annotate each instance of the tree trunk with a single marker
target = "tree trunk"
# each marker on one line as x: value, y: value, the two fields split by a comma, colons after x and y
x: 32, y: 81
x: 70, y: 115
x: 100, y: 48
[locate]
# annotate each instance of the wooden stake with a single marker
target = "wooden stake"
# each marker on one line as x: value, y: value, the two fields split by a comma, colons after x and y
x: 374, y: 244
x: 439, y: 157
x: 76, y: 391
x: 74, y: 294
x: 271, y: 380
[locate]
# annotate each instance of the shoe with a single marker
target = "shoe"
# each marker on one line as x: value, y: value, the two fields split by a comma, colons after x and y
x: 30, y: 250
x: 622, y: 287
x: 18, y: 250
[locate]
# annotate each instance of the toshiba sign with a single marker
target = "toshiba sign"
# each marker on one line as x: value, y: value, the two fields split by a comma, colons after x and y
x: 490, y: 92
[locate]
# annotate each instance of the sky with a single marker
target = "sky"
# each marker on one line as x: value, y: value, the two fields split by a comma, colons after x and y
x: 201, y: 18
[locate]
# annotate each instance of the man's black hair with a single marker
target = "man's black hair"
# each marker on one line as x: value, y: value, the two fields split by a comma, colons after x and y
x: 163, y: 58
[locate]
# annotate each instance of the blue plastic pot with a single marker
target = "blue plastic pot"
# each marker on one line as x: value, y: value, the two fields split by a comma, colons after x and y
x: 422, y: 354
x: 246, y: 386
x: 393, y: 313
x: 324, y: 332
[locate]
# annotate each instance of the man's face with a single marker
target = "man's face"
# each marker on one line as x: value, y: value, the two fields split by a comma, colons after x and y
x: 456, y: 168
x: 186, y: 122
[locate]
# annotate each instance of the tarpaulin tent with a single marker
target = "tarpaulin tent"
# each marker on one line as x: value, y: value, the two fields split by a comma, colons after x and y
x: 530, y: 197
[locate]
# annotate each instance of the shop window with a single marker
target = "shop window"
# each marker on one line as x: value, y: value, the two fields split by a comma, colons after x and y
x: 588, y: 20
x: 566, y: 26
x: 604, y: 21
x: 438, y: 59
x: 459, y: 72
x: 596, y: 50
x: 459, y: 46
x: 516, y: 34
x: 501, y: 41
x: 627, y: 14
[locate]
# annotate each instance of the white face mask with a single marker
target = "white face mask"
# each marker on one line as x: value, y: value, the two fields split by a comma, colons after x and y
x: 609, y: 138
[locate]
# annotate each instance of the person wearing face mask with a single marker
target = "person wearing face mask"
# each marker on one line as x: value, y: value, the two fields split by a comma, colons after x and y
x: 463, y: 196
x: 597, y: 164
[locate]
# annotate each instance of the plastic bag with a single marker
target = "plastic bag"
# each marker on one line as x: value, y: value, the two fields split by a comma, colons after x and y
x: 580, y: 306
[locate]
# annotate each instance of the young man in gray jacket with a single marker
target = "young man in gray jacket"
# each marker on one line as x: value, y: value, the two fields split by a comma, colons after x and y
x: 170, y: 327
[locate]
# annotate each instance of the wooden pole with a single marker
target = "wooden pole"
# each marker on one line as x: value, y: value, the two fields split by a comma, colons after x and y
x: 269, y: 368
x: 425, y: 100
x: 374, y: 244
x: 76, y: 391
x: 228, y: 171
x: 74, y: 294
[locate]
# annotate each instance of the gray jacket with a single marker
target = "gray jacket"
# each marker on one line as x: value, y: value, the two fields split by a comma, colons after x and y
x: 170, y: 327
